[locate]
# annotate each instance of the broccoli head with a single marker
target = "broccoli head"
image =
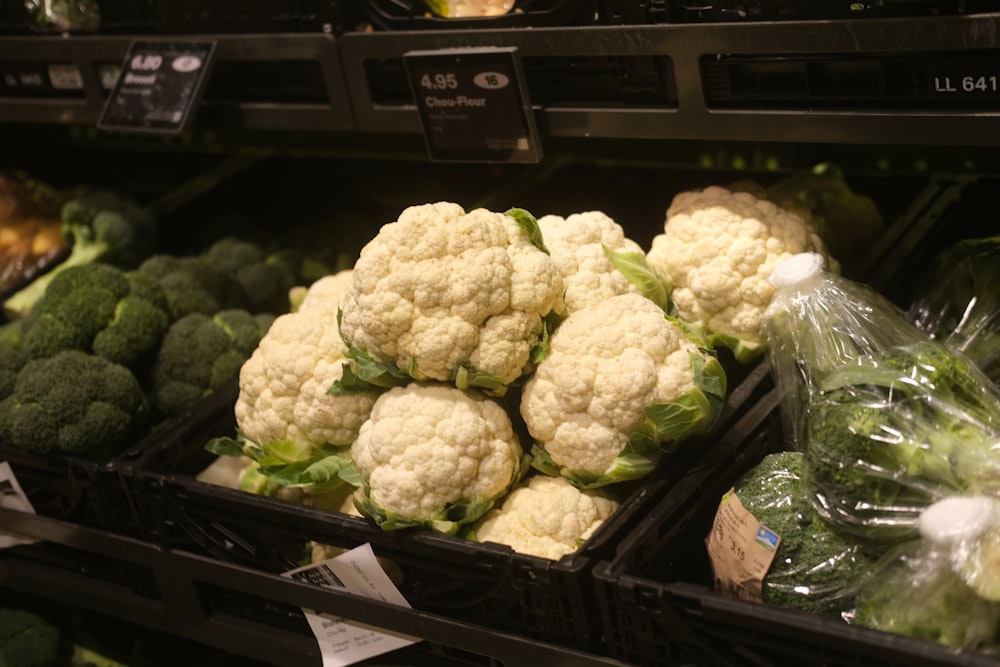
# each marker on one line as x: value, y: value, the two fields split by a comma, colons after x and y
x: 884, y: 439
x: 76, y: 403
x: 848, y: 221
x: 27, y: 639
x: 193, y: 285
x: 102, y: 227
x: 265, y: 276
x: 98, y: 308
x: 200, y: 353
x: 815, y: 568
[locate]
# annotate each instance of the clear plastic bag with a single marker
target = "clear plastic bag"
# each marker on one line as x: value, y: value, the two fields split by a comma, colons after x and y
x: 64, y: 15
x: 888, y: 419
x: 944, y: 585
x: 958, y: 302
x: 814, y: 568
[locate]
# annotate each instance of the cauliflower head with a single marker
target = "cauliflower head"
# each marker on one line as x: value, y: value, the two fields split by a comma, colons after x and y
x: 621, y: 379
x: 434, y: 455
x: 285, y: 408
x: 577, y: 245
x: 717, y: 249
x: 545, y: 516
x: 444, y: 294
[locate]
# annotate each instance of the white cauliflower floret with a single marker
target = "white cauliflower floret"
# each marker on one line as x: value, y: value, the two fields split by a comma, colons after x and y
x: 440, y: 287
x: 717, y: 249
x: 284, y: 384
x: 576, y: 244
x: 607, y: 364
x: 434, y: 455
x: 546, y: 516
x: 328, y: 291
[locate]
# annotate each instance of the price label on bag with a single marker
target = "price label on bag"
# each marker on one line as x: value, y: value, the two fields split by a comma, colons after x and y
x: 474, y: 105
x: 159, y: 86
x: 740, y: 549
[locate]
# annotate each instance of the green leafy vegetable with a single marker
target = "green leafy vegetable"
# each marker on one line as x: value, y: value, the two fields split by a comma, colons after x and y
x: 815, y: 568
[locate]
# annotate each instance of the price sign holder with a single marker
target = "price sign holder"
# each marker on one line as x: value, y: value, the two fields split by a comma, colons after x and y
x: 159, y: 86
x: 474, y: 105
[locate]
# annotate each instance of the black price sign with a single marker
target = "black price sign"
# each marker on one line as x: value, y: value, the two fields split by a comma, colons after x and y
x: 474, y: 105
x: 159, y: 85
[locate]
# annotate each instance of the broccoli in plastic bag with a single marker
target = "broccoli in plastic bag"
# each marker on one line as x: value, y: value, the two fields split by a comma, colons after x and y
x: 889, y: 420
x: 64, y: 15
x: 959, y: 301
x: 814, y: 568
x: 943, y: 586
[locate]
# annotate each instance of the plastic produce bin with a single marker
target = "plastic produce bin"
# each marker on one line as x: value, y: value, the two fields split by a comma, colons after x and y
x: 92, y: 493
x: 656, y: 594
x: 482, y: 583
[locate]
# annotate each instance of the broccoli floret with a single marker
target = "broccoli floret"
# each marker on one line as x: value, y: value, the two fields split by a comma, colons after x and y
x: 193, y: 285
x: 884, y: 440
x: 103, y: 227
x: 200, y: 353
x: 265, y: 276
x: 98, y: 308
x: 27, y: 639
x: 815, y: 569
x: 76, y: 403
x: 12, y: 360
x: 13, y: 356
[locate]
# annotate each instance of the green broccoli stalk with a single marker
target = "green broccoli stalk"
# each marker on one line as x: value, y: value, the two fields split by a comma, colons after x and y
x: 266, y: 277
x: 815, y: 568
x: 200, y: 353
x: 97, y: 308
x: 27, y: 639
x: 193, y: 285
x: 75, y: 403
x: 103, y: 227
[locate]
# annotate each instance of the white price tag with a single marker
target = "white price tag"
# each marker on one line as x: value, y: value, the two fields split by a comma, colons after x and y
x: 342, y: 641
x: 12, y: 497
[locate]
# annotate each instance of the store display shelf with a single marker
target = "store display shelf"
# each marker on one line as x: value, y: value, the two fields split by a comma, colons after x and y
x: 916, y: 80
x: 166, y: 590
x: 259, y: 81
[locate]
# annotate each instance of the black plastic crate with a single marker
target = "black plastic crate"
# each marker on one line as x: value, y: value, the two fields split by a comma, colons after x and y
x: 659, y: 606
x: 249, y: 613
x: 656, y: 594
x: 482, y: 583
x: 92, y: 493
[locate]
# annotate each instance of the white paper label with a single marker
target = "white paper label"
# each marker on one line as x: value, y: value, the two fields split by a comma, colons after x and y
x: 12, y: 497
x: 342, y: 641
